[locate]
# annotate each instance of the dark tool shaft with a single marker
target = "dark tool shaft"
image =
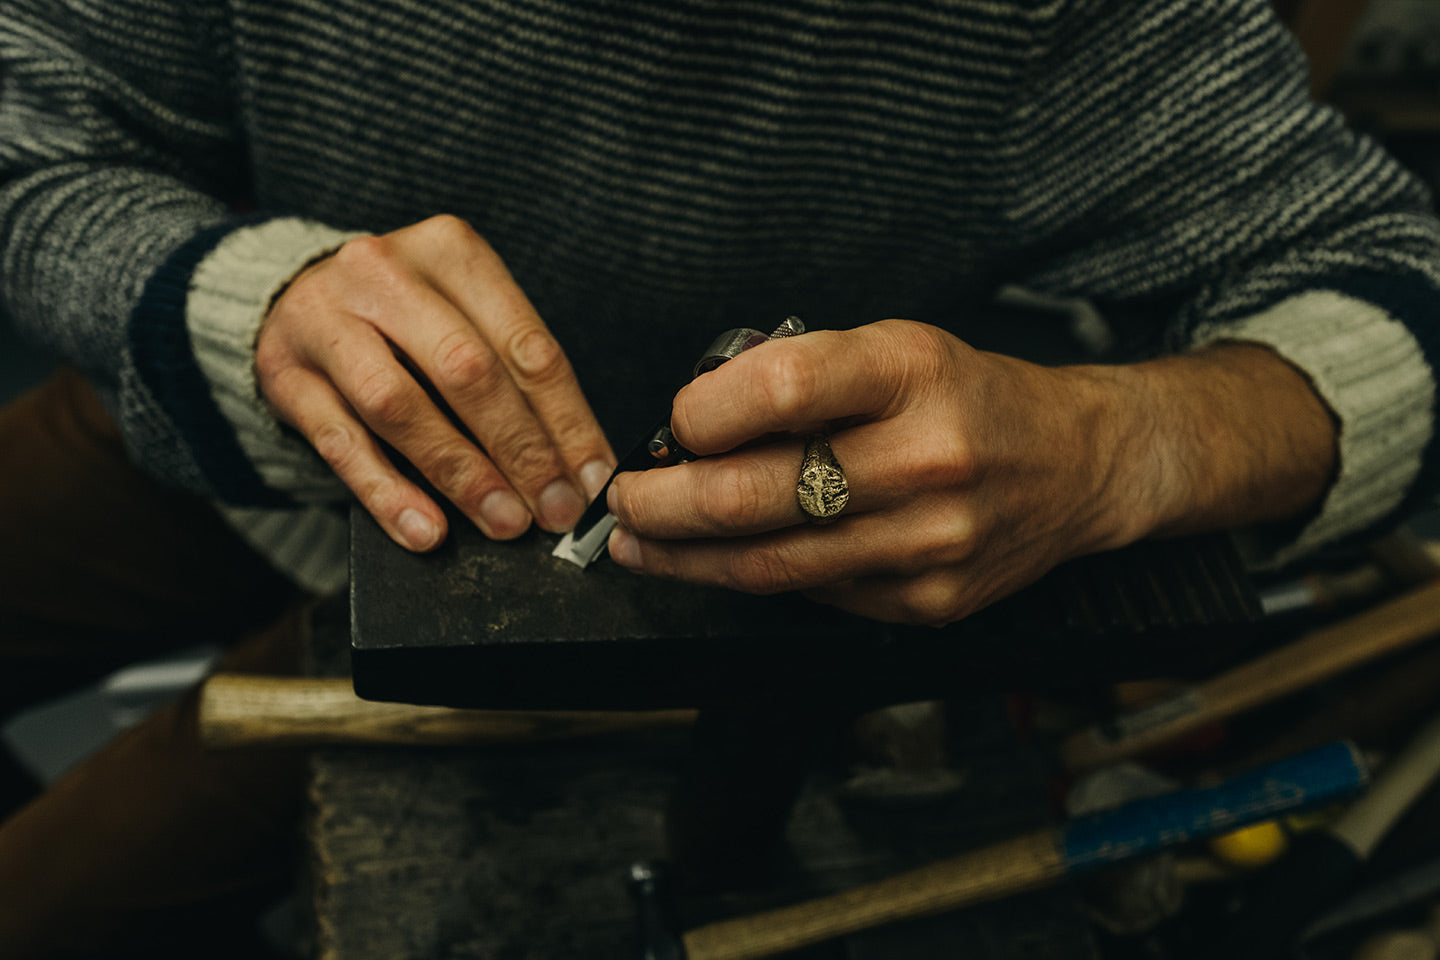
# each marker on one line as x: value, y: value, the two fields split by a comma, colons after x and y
x: 655, y: 907
x: 637, y: 459
x: 658, y: 448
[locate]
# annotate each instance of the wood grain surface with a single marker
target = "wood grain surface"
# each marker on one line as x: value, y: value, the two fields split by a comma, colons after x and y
x: 1386, y: 628
x: 240, y: 710
x: 997, y: 871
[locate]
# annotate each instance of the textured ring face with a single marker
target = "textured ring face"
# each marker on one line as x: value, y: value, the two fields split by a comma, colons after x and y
x: 822, y: 489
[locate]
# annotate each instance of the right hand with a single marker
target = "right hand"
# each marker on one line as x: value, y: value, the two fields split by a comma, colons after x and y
x: 327, y: 363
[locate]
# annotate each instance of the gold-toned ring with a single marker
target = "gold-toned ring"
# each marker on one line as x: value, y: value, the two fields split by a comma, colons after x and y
x: 822, y: 489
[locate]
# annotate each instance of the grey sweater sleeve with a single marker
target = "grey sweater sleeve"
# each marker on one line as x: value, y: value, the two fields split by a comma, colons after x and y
x: 1205, y: 188
x: 120, y: 160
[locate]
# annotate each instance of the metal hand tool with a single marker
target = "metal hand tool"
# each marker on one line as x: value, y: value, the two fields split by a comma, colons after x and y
x: 658, y: 447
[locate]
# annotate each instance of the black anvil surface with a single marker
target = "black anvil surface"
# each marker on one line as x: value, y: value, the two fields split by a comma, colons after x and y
x: 506, y: 625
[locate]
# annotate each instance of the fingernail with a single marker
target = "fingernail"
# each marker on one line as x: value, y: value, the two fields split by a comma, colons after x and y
x: 593, y: 475
x: 419, y: 531
x: 560, y: 506
x: 504, y: 514
x: 624, y: 548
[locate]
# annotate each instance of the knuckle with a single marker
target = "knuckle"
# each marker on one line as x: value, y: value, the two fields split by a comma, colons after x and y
x: 537, y: 355
x: 949, y: 462
x: 450, y: 243
x: 463, y: 361
x: 384, y: 497
x: 953, y: 537
x: 377, y: 263
x: 380, y: 398
x: 962, y: 464
x: 336, y: 446
x: 732, y: 494
x: 446, y: 227
x: 459, y: 473
x: 914, y: 355
x: 577, y: 434
x: 759, y: 572
x: 366, y: 252
x: 526, y: 457
x: 788, y: 381
x: 917, y: 339
x: 931, y: 599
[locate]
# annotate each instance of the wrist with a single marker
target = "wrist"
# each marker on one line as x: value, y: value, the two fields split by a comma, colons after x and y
x: 1074, y: 444
x: 1111, y: 416
x: 231, y: 292
x: 1229, y: 436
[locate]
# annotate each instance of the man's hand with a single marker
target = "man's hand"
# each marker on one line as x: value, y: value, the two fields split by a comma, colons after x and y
x: 970, y: 474
x: 435, y: 295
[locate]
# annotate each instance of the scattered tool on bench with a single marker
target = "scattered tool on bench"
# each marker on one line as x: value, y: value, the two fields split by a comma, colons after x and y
x: 1012, y: 866
x: 1323, y: 653
x: 1324, y: 864
x: 241, y: 710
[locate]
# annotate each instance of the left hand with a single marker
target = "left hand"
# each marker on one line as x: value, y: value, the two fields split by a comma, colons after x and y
x: 970, y: 474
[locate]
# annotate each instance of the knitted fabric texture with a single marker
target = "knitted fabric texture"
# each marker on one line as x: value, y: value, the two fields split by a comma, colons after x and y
x: 708, y: 161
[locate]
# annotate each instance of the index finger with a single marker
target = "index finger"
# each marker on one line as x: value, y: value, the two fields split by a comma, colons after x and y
x: 470, y: 274
x: 789, y: 386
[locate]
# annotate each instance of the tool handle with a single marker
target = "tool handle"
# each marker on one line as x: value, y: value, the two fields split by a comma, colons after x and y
x: 1316, y: 776
x: 1324, y: 864
x: 1323, y: 653
x: 1401, y: 781
x: 239, y: 710
x: 1035, y: 860
x: 649, y: 883
x: 1012, y: 866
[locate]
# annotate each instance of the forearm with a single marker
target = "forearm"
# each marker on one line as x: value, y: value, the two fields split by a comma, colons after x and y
x: 79, y: 243
x: 101, y: 183
x: 1243, y: 212
x: 1225, y: 437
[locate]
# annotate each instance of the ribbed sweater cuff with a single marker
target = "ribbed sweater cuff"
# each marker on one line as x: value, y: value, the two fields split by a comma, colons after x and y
x: 309, y: 545
x: 230, y: 292
x: 1370, y: 370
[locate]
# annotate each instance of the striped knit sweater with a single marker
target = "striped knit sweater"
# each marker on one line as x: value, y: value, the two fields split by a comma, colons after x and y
x: 706, y: 161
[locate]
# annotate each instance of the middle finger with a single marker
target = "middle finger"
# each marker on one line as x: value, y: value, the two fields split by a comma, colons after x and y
x: 477, y: 385
x: 392, y: 405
